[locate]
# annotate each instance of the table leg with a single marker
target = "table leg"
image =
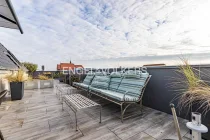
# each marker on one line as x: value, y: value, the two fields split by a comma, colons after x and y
x: 88, y: 94
x: 56, y: 91
x: 60, y: 96
x: 100, y: 113
x: 69, y: 92
x: 62, y: 104
x: 76, y: 120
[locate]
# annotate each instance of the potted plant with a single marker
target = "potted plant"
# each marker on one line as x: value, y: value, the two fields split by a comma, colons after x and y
x: 31, y: 83
x: 74, y: 78
x: 195, y: 92
x: 17, y: 84
x: 59, y: 76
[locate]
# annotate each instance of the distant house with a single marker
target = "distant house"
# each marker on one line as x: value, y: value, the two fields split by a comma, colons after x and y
x: 68, y: 66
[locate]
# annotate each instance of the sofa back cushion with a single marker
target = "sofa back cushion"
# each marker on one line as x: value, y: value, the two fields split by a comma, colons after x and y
x: 88, y: 79
x: 116, y: 75
x: 114, y: 83
x: 101, y: 82
x: 99, y: 73
x: 133, y: 84
x: 115, y: 79
x: 132, y: 74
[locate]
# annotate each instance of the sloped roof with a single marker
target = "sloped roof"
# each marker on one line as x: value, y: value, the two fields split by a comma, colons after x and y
x: 8, y: 61
x: 8, y: 18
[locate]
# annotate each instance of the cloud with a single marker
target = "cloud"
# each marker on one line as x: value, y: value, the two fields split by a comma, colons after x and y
x: 57, y: 31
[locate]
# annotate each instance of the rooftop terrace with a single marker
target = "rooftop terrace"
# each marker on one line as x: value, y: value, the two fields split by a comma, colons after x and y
x: 39, y: 115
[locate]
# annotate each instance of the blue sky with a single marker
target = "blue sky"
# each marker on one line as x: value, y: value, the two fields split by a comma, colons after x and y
x: 86, y: 31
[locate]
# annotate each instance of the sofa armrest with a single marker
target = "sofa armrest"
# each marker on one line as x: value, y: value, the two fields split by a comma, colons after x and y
x: 1, y: 135
x: 3, y: 93
x: 124, y: 95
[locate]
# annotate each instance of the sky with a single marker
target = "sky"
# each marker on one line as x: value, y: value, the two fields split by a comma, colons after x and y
x: 109, y: 33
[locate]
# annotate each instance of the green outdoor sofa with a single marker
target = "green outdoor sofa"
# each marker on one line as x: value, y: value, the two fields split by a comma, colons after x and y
x: 123, y: 89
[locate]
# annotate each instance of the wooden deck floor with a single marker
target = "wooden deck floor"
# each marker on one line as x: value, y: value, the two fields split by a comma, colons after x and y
x: 39, y: 116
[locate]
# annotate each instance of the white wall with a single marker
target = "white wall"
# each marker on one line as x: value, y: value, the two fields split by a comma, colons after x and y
x: 4, y: 84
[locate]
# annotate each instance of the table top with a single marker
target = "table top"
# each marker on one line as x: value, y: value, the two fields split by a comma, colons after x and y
x: 64, y: 86
x: 202, y: 128
x: 79, y: 101
x: 70, y: 87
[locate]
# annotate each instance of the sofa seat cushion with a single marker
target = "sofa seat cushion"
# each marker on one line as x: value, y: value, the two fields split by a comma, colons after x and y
x: 81, y: 85
x: 84, y: 85
x: 76, y: 83
x: 118, y: 96
x: 94, y: 89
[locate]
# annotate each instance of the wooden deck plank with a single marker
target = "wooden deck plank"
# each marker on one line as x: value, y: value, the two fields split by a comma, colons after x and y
x: 39, y: 116
x: 141, y: 136
x: 102, y: 134
x: 127, y: 130
x: 165, y: 129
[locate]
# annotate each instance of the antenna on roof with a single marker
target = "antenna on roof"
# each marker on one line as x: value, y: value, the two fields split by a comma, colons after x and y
x: 70, y: 60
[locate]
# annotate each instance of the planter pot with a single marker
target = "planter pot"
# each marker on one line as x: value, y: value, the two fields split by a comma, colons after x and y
x: 46, y: 84
x: 61, y: 79
x: 17, y: 90
x: 31, y: 84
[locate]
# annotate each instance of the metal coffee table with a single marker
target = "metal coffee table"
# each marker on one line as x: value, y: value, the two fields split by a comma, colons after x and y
x: 77, y: 102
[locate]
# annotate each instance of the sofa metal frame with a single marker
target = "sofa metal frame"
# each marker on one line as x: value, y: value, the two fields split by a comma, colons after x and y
x: 126, y: 103
x: 123, y: 104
